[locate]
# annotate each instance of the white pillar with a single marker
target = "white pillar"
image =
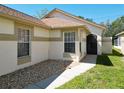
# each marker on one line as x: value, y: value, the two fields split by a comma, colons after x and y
x: 99, y: 45
x: 77, y: 45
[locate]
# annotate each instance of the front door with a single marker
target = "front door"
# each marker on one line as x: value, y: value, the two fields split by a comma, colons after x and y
x: 91, y: 44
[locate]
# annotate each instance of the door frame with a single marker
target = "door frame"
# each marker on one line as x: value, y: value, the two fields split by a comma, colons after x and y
x: 91, y: 39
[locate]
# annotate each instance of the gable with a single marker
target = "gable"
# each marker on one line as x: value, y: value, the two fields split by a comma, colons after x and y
x: 93, y: 29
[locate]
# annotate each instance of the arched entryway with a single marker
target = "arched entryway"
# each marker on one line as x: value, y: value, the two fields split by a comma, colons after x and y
x: 91, y: 44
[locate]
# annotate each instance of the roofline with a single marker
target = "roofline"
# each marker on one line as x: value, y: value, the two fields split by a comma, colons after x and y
x: 73, y: 16
x: 18, y: 11
x: 48, y: 13
x: 12, y: 13
x: 120, y: 33
x: 70, y: 27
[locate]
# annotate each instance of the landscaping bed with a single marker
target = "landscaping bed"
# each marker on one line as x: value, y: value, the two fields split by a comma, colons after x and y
x: 32, y: 74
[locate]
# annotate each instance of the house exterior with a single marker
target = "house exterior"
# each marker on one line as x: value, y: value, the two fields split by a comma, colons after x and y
x: 26, y: 40
x: 119, y: 41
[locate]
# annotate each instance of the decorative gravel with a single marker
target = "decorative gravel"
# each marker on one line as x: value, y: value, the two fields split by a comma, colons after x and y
x: 32, y: 74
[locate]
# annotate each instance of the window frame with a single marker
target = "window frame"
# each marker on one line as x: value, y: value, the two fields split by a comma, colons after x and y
x: 70, y: 41
x: 28, y: 42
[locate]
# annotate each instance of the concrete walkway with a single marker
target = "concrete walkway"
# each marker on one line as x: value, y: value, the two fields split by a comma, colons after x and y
x: 59, y: 79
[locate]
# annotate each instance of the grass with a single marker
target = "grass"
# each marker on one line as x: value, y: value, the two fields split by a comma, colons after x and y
x: 108, y: 73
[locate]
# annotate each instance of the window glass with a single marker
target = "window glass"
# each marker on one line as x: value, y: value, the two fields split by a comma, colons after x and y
x: 23, y: 42
x: 69, y: 44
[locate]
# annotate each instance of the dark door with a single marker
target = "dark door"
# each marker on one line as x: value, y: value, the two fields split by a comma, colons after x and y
x: 91, y: 44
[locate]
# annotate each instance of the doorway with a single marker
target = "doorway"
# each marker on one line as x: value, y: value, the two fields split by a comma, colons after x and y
x: 91, y: 44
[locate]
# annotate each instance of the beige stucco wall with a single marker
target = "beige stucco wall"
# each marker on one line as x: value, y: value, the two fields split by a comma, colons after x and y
x: 107, y: 45
x: 40, y: 32
x: 8, y: 53
x: 39, y: 51
x: 8, y: 56
x: 8, y: 48
x: 55, y: 33
x: 55, y: 47
x: 6, y: 26
x: 40, y: 48
x: 56, y: 50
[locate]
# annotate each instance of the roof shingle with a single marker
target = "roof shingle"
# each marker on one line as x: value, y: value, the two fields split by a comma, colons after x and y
x: 59, y: 23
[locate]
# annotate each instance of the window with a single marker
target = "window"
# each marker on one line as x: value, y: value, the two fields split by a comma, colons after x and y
x: 116, y: 41
x: 69, y: 42
x: 23, y: 42
x: 119, y: 41
x: 80, y: 47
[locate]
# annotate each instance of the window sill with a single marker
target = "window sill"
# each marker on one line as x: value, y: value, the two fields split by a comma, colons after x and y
x: 69, y: 55
x: 23, y: 60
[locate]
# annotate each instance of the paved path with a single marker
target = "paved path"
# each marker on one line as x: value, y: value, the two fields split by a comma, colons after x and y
x: 59, y: 79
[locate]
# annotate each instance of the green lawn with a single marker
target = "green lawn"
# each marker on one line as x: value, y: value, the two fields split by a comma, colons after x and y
x: 108, y: 73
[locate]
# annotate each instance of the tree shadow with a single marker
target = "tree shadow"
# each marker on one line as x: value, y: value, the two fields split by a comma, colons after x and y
x: 104, y: 60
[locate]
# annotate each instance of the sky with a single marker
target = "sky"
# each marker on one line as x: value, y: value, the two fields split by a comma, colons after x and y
x: 98, y: 12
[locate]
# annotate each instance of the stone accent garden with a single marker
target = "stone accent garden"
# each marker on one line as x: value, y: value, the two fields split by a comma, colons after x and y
x: 32, y: 74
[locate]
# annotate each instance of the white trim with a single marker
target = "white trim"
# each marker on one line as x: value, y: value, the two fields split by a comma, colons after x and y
x: 120, y: 33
